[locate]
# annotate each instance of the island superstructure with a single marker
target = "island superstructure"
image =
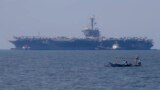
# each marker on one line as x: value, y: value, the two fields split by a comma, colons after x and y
x: 92, y: 41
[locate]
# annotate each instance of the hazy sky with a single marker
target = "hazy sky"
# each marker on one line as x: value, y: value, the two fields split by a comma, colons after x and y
x: 115, y: 18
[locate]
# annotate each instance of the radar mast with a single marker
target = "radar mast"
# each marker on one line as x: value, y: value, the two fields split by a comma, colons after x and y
x: 92, y: 22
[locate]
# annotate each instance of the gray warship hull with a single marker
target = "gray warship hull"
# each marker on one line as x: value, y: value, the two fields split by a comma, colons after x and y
x: 82, y: 44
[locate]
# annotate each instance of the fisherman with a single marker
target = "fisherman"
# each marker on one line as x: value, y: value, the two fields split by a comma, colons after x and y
x: 125, y: 62
x: 138, y: 62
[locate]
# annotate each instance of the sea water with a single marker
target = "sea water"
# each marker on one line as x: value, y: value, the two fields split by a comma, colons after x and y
x: 78, y: 70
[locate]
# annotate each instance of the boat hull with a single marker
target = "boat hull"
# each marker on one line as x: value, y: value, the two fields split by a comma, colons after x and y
x: 122, y: 65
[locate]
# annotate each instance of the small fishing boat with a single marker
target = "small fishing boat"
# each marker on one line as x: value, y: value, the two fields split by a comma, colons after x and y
x: 123, y: 65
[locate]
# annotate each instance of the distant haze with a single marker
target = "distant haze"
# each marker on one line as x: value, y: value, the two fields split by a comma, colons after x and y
x: 51, y: 18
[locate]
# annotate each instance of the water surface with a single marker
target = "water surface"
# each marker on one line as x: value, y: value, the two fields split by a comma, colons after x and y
x: 77, y: 70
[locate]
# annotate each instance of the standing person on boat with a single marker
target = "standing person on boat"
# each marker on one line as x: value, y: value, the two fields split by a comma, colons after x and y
x: 138, y: 62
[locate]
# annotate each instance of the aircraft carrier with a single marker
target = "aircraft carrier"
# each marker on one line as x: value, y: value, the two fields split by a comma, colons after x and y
x: 92, y: 41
